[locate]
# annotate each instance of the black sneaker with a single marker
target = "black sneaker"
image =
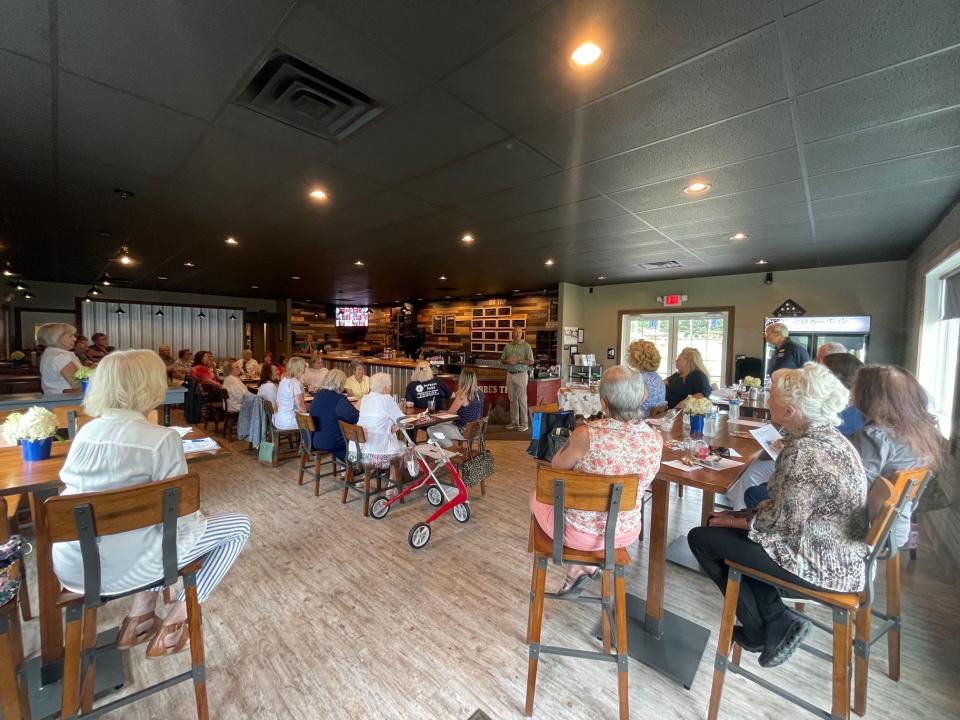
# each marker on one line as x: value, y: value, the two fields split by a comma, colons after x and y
x: 747, y: 640
x: 783, y: 639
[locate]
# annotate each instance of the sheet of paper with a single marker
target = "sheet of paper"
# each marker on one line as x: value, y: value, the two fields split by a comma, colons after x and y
x: 656, y: 422
x: 734, y: 453
x: 749, y: 423
x: 201, y: 445
x: 680, y: 466
x: 181, y: 431
x: 770, y: 440
x: 727, y: 463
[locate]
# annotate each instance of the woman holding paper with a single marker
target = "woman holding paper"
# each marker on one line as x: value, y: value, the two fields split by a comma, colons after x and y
x: 810, y: 532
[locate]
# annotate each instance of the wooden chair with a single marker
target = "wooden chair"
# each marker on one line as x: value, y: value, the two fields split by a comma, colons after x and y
x: 277, y: 436
x: 88, y: 516
x: 568, y: 490
x: 885, y: 500
x: 14, y: 697
x: 213, y: 398
x: 354, y: 437
x: 320, y: 457
x: 231, y: 420
x: 10, y: 507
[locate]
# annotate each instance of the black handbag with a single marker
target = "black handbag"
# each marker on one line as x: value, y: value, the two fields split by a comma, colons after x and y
x: 544, y: 423
x: 556, y: 441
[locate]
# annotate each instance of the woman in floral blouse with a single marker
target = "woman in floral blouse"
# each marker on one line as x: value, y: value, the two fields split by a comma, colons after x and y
x: 620, y: 443
x: 810, y: 532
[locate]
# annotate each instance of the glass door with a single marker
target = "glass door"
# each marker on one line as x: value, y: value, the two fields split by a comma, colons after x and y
x: 671, y: 332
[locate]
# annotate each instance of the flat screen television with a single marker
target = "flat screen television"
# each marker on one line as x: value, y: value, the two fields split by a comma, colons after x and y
x: 353, y: 316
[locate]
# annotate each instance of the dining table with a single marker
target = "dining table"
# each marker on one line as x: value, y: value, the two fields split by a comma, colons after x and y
x: 758, y: 407
x: 41, y: 480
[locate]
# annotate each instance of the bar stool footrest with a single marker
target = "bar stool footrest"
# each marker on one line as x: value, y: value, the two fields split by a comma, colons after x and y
x: 572, y: 652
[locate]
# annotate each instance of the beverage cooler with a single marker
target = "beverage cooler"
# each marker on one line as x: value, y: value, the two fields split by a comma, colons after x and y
x: 811, y: 331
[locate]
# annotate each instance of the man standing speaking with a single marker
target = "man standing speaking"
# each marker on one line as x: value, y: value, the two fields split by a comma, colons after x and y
x: 517, y: 355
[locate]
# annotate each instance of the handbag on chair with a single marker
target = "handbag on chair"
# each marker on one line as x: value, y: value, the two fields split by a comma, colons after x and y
x: 477, y: 468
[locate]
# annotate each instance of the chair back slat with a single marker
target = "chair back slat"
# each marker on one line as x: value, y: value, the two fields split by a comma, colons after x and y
x: 586, y: 491
x: 307, y: 427
x: 882, y: 504
x: 117, y: 511
x: 352, y: 432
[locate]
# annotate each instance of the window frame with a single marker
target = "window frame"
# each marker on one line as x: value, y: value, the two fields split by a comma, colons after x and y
x: 930, y: 370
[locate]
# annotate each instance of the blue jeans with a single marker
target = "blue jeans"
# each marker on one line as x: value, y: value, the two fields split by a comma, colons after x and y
x: 755, y: 495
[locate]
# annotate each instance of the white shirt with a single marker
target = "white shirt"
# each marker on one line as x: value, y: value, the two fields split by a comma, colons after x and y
x: 120, y: 449
x: 286, y: 416
x: 268, y: 391
x: 53, y: 360
x: 378, y: 414
x: 235, y: 392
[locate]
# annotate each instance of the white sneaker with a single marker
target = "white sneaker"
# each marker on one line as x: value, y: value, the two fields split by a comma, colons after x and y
x: 524, y: 428
x: 510, y: 427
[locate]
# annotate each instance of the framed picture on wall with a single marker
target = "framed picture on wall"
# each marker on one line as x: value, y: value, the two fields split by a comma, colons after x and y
x: 489, y: 312
x: 438, y: 324
x: 450, y: 325
x: 476, y: 334
x: 579, y: 335
x: 490, y: 323
x: 519, y: 322
x: 489, y: 334
x: 477, y: 312
x: 503, y: 323
x: 504, y: 311
x: 489, y: 347
x: 476, y: 347
x: 475, y: 323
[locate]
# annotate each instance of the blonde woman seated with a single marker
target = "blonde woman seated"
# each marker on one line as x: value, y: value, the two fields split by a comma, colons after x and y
x: 424, y: 389
x: 122, y: 448
x: 236, y: 390
x: 290, y: 395
x: 357, y: 384
x: 620, y: 443
x: 58, y: 363
x: 467, y: 405
x: 691, y: 378
x: 313, y: 377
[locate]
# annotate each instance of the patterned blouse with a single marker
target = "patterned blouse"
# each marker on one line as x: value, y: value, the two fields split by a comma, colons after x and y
x: 618, y: 448
x: 815, y: 521
x: 656, y: 391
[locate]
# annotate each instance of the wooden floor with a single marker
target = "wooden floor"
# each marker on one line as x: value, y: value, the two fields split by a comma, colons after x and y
x: 328, y: 615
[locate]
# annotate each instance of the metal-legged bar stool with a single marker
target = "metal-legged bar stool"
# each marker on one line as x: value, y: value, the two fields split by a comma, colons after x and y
x: 568, y: 490
x: 86, y: 517
x: 885, y: 500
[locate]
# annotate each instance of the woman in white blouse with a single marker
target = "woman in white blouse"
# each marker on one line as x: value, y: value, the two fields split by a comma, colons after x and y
x: 121, y: 448
x: 378, y: 418
x: 269, y: 377
x: 290, y: 395
x: 232, y: 383
x: 58, y: 362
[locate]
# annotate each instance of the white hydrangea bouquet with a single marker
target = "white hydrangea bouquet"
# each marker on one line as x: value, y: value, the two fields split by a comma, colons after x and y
x: 698, y: 406
x: 83, y: 373
x: 752, y: 382
x: 37, y: 423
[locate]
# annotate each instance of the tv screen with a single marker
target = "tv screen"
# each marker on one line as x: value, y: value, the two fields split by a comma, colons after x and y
x: 353, y: 316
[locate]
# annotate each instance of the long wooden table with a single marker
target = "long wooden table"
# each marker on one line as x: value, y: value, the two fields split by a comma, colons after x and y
x: 41, y: 480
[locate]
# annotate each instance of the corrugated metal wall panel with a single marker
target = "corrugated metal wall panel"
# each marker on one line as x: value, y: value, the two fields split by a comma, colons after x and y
x: 179, y: 327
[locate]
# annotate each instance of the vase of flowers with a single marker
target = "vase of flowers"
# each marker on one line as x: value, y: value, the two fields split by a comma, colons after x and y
x: 753, y: 386
x: 83, y: 375
x: 34, y: 430
x: 698, y: 409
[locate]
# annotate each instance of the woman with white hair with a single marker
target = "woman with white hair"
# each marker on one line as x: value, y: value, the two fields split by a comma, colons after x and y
x: 811, y: 530
x: 423, y: 388
x: 620, y: 443
x: 290, y: 395
x: 58, y: 362
x: 121, y: 448
x: 379, y: 413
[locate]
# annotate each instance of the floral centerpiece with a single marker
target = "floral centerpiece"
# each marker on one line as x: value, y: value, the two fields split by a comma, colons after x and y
x: 34, y: 430
x: 697, y: 408
x: 83, y: 375
x: 752, y: 382
x: 17, y: 356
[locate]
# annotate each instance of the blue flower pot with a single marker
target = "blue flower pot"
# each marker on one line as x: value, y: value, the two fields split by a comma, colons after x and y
x: 84, y: 384
x: 36, y: 449
x: 696, y: 426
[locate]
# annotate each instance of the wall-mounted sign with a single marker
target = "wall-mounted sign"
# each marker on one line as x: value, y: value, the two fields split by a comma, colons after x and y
x: 823, y: 324
x: 611, y: 354
x: 675, y: 300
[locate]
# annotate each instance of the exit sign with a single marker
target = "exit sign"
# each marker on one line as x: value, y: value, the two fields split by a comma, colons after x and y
x: 672, y: 300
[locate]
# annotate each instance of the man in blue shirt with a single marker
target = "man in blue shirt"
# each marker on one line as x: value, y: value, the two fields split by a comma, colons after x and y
x: 789, y: 355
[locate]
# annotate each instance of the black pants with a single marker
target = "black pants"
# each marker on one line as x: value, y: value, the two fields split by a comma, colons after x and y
x: 759, y: 603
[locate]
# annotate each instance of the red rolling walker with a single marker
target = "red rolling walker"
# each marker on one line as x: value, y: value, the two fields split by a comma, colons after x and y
x: 431, y: 457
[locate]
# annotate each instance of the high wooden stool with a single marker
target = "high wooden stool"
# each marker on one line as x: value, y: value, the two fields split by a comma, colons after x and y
x: 277, y: 436
x: 354, y: 437
x: 885, y: 500
x: 320, y: 457
x: 568, y: 490
x: 87, y: 516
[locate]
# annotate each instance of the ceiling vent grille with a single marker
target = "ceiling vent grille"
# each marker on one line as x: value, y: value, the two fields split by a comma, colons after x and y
x: 661, y: 265
x: 290, y: 90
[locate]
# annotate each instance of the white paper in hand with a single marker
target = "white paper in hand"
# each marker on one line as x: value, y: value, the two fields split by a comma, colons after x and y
x: 770, y: 440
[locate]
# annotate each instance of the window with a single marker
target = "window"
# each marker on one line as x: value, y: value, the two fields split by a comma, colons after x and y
x: 671, y: 332
x: 939, y: 342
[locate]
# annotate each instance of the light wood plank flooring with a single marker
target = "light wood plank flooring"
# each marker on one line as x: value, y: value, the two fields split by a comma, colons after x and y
x: 328, y: 615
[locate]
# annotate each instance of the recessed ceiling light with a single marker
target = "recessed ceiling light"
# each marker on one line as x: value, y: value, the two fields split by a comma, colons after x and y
x: 358, y: 262
x: 695, y: 188
x: 87, y: 299
x: 294, y: 277
x: 160, y: 277
x: 318, y: 194
x: 442, y: 277
x: 446, y: 297
x: 21, y: 287
x: 516, y: 290
x: 231, y: 241
x: 548, y: 261
x: 7, y: 272
x: 28, y: 296
x: 124, y: 256
x: 587, y: 54
x: 188, y: 264
x: 254, y: 287
x: 94, y: 290
x: 467, y: 238
x: 739, y: 236
x: 601, y: 277
x: 761, y: 261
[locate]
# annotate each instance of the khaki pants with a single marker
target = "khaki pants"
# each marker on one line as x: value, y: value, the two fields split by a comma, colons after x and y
x: 517, y: 392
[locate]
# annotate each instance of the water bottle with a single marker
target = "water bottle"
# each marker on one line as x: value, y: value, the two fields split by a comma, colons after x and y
x: 734, y: 409
x: 710, y: 424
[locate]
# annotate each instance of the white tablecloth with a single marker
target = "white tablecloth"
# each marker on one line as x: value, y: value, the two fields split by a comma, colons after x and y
x: 582, y: 402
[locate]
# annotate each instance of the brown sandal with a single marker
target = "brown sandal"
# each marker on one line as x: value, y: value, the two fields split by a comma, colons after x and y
x: 130, y: 636
x: 158, y: 646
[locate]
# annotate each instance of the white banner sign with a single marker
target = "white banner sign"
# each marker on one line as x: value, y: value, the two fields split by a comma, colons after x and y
x: 824, y: 324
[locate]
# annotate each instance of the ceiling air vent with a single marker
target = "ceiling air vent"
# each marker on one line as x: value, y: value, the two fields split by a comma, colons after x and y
x: 661, y: 265
x: 290, y: 90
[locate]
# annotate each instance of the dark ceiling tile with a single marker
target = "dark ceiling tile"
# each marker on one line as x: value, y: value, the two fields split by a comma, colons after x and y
x: 502, y: 165
x: 687, y: 97
x: 894, y: 94
x: 186, y: 55
x: 430, y: 130
x: 25, y: 28
x: 571, y: 214
x: 283, y: 137
x: 898, y: 139
x: 441, y: 35
x: 118, y: 129
x: 381, y: 209
x: 343, y: 52
x: 758, y: 235
x: 936, y: 164
x: 25, y: 166
x: 785, y: 215
x: 758, y: 133
x: 748, y: 201
x: 527, y: 78
x: 792, y: 6
x: 945, y: 189
x: 581, y: 232
x: 835, y: 40
x: 557, y: 189
x: 25, y: 111
x: 758, y: 172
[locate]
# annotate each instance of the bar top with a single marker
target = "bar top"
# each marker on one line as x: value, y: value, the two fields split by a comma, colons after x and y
x: 174, y: 396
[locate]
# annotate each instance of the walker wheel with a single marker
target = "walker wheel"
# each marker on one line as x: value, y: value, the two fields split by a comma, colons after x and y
x: 435, y: 496
x: 380, y: 508
x: 419, y: 535
x: 461, y: 512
